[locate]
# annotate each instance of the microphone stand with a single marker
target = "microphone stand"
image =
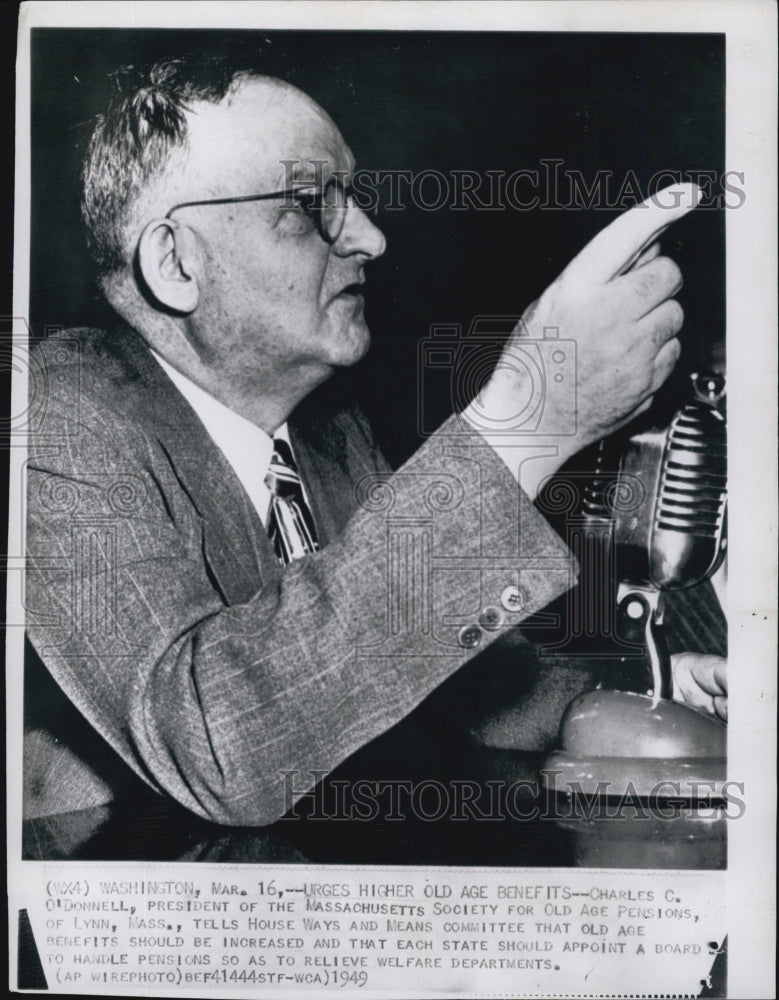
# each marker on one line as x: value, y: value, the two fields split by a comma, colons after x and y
x: 640, y: 621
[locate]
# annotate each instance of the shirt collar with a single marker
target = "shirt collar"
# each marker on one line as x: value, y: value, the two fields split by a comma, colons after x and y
x: 247, y: 447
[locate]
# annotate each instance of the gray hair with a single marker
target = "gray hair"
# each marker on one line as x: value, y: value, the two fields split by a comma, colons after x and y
x: 132, y: 142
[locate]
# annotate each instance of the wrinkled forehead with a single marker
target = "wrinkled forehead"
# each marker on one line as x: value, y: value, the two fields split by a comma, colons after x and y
x: 242, y: 144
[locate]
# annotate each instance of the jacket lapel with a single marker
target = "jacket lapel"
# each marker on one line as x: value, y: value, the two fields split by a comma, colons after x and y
x: 236, y: 546
x: 333, y: 450
x: 320, y: 455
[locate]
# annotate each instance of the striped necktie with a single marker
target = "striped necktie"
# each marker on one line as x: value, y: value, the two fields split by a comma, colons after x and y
x: 290, y: 523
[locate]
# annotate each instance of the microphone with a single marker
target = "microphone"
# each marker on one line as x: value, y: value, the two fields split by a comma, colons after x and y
x: 666, y: 512
x: 671, y: 534
x: 669, y: 524
x: 647, y: 516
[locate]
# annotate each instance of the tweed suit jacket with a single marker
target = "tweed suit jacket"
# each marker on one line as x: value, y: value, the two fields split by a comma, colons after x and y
x: 174, y: 640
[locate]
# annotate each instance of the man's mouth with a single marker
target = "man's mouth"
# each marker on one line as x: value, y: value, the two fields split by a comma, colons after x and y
x: 356, y: 288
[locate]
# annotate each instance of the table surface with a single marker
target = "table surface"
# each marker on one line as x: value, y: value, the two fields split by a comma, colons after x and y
x: 498, y: 829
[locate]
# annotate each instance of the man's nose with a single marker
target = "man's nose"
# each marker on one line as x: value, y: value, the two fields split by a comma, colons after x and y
x: 360, y: 235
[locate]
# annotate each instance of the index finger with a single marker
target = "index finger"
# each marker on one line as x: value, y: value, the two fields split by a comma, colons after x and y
x: 614, y: 249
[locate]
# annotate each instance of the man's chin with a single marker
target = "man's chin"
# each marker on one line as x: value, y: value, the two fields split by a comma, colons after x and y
x: 353, y: 346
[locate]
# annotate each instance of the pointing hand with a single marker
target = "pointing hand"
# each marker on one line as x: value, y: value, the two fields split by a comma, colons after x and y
x: 615, y: 301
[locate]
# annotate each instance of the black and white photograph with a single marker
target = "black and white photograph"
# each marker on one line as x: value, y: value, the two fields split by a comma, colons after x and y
x: 371, y: 466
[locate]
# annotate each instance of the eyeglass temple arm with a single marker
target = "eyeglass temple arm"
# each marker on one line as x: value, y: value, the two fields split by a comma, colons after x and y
x: 228, y: 201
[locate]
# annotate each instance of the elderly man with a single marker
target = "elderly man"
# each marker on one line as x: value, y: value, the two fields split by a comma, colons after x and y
x: 217, y: 580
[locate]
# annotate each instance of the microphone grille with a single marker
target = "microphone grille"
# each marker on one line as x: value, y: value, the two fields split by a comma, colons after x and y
x: 693, y: 481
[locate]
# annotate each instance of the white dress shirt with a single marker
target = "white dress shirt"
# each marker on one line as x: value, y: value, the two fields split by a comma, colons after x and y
x: 246, y: 446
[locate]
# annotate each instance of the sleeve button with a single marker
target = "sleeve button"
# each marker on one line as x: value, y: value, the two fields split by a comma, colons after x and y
x: 469, y: 636
x: 491, y: 618
x: 513, y: 598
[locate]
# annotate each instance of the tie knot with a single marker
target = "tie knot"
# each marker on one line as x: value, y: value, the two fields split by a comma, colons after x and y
x: 282, y: 478
x: 282, y: 455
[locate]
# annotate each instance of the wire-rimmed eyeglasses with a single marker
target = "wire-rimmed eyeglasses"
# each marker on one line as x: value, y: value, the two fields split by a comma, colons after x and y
x: 326, y: 206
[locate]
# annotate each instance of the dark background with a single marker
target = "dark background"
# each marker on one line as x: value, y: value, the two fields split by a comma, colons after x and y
x: 418, y: 101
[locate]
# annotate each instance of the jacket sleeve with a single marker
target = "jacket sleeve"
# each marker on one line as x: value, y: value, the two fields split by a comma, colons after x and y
x: 212, y: 704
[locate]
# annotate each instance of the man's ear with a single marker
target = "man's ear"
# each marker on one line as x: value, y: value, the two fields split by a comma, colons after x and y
x: 167, y: 260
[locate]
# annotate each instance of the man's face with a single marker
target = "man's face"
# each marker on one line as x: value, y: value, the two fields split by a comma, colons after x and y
x: 277, y: 300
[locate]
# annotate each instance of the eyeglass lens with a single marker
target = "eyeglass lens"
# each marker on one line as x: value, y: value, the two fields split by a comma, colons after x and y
x: 332, y: 208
